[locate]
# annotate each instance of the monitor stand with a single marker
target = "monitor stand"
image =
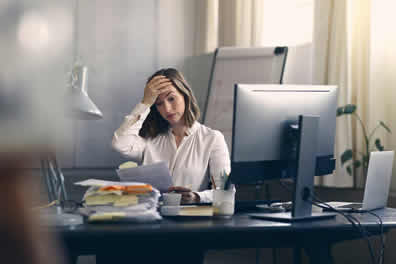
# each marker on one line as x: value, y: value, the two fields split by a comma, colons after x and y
x: 303, y: 183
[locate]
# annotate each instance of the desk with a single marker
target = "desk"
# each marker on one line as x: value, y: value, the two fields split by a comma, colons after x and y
x: 240, y: 231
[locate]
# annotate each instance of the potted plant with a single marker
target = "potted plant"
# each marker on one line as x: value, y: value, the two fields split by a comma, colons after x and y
x: 353, y: 159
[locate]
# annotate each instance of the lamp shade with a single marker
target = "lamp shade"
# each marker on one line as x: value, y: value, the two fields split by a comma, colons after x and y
x: 81, y: 106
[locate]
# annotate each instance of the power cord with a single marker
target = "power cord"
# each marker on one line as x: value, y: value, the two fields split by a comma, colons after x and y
x: 382, y: 252
x: 357, y: 225
x: 353, y: 220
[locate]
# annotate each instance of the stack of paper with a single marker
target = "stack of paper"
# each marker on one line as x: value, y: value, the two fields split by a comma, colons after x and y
x: 120, y: 201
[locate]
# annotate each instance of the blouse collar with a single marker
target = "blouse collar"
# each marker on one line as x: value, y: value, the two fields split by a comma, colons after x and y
x: 191, y: 130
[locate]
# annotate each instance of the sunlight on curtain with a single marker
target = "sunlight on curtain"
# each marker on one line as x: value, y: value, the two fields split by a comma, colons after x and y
x: 353, y: 47
x: 247, y: 23
x: 356, y: 51
x: 287, y: 22
x: 383, y: 72
x: 240, y: 22
x: 340, y: 58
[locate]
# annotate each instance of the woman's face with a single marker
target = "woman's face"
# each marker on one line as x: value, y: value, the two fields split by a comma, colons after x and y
x: 171, y: 106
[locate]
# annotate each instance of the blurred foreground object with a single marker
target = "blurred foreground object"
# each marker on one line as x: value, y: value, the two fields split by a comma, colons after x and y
x: 23, y: 240
x: 35, y: 40
x: 35, y: 44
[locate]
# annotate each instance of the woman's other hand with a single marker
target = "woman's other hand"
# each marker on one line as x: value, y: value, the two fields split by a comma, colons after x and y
x: 159, y: 84
x: 187, y: 195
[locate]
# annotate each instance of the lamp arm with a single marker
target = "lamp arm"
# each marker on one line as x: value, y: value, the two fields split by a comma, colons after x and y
x: 61, y: 180
x: 45, y: 173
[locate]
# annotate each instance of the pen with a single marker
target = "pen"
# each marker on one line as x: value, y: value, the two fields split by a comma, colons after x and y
x: 213, y: 182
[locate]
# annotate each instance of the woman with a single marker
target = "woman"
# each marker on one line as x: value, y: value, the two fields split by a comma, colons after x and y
x: 164, y: 127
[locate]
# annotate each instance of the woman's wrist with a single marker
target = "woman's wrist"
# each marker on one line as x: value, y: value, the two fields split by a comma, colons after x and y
x: 146, y: 102
x: 197, y: 198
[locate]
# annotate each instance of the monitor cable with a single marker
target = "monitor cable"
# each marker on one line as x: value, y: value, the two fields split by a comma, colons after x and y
x: 357, y: 225
x: 353, y: 220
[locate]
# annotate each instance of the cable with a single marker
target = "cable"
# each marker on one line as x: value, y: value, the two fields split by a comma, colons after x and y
x: 364, y: 231
x: 382, y: 252
x: 359, y: 227
x: 354, y: 221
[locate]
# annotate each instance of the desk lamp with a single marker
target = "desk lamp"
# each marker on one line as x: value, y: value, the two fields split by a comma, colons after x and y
x: 81, y: 107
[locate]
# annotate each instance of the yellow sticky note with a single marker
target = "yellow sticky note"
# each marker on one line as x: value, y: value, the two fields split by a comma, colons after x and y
x: 128, y: 164
x: 106, y: 216
x: 101, y: 199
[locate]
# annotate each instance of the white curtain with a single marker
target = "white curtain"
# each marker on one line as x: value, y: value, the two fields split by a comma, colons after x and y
x: 354, y: 48
x: 228, y: 23
x: 206, y: 26
x: 382, y: 75
x: 331, y: 65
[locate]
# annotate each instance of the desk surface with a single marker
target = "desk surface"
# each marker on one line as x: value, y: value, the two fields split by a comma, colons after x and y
x: 240, y: 231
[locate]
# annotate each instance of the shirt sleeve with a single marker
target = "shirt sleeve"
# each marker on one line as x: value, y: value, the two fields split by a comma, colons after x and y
x: 205, y: 196
x: 126, y: 139
x: 219, y: 162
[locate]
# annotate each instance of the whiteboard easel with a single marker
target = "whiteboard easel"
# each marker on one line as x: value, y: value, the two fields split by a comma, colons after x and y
x: 263, y: 65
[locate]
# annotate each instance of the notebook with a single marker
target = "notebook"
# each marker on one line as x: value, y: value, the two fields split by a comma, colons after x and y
x: 187, y: 210
x: 378, y: 181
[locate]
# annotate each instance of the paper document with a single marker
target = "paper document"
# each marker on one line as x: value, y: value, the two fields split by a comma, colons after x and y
x: 156, y: 174
x: 93, y: 182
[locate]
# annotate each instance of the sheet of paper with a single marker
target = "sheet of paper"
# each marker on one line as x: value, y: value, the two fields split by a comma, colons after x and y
x: 337, y: 203
x: 156, y: 174
x: 94, y: 182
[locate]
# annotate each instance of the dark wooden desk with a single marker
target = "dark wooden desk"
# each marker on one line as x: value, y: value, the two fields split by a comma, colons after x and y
x: 241, y: 231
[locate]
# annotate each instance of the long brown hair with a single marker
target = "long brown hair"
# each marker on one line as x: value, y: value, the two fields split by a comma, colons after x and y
x: 155, y: 124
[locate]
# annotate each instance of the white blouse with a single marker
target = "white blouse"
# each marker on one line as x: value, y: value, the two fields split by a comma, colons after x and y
x: 202, y: 152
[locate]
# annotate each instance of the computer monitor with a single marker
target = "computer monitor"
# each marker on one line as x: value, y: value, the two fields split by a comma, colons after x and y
x: 265, y: 124
x: 284, y: 131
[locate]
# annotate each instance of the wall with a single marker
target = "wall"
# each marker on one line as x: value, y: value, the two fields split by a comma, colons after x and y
x: 123, y: 43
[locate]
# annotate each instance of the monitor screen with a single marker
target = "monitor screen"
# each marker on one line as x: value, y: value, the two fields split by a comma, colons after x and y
x: 264, y: 121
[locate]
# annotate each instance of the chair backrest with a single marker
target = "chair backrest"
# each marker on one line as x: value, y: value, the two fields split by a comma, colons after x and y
x: 263, y: 65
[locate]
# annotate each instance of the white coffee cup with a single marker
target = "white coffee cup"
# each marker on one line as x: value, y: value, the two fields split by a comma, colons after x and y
x: 171, y: 198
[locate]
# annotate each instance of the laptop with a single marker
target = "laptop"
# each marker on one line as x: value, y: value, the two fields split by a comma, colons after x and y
x: 378, y: 181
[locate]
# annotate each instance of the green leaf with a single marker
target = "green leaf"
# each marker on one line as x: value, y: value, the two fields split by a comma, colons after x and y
x: 357, y: 164
x: 349, y: 170
x: 340, y: 111
x: 349, y: 109
x: 347, y: 155
x: 378, y: 145
x: 385, y: 126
